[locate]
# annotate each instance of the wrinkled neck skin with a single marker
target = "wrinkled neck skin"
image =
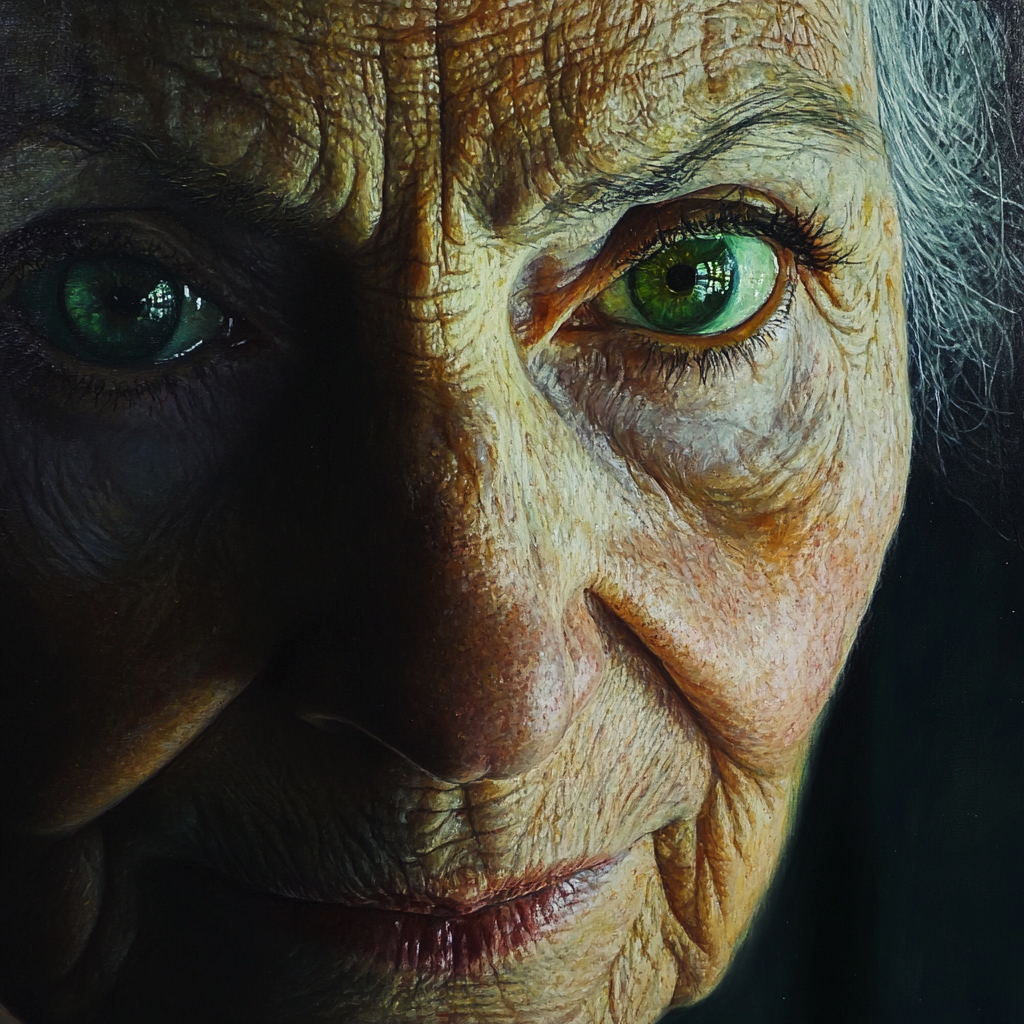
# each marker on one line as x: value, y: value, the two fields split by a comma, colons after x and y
x: 437, y: 600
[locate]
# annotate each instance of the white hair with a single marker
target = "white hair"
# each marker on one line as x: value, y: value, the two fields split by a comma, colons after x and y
x: 946, y: 112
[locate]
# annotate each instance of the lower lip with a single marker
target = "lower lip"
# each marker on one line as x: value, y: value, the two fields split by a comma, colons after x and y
x: 445, y: 943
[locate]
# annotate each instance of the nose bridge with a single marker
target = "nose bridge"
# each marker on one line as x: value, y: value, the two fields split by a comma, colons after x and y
x: 438, y: 317
x: 489, y: 677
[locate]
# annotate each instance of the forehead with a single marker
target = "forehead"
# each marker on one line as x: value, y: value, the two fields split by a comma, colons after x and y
x: 348, y: 106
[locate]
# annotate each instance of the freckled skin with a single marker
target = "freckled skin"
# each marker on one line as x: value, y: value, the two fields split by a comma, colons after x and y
x: 422, y: 590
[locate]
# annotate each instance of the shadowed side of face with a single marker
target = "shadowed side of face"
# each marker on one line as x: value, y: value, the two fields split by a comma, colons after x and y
x: 447, y: 452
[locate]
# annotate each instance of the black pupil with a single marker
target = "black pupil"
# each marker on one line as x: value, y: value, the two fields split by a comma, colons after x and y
x: 681, y: 278
x: 126, y: 302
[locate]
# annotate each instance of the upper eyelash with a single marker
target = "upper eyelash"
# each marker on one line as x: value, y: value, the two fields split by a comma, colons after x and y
x: 25, y: 253
x: 256, y: 284
x: 810, y: 237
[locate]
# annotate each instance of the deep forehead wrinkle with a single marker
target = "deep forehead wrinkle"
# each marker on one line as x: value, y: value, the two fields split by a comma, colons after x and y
x: 589, y: 91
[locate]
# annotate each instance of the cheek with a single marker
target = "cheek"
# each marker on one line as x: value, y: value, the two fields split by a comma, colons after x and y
x: 94, y: 472
x: 753, y: 609
x: 740, y: 451
x: 83, y: 504
x: 135, y: 605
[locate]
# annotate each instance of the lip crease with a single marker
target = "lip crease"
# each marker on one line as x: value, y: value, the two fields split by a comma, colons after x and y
x: 449, y: 936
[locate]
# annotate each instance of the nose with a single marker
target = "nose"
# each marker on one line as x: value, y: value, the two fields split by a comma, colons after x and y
x: 460, y: 634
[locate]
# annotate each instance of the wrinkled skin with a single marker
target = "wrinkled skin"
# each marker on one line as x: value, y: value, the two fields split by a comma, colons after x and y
x: 432, y: 587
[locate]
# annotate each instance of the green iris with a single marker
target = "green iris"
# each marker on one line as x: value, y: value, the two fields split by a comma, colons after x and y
x: 685, y: 286
x: 120, y: 310
x: 698, y: 285
x: 117, y: 310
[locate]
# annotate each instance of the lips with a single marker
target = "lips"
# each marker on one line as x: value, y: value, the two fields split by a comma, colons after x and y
x: 452, y: 936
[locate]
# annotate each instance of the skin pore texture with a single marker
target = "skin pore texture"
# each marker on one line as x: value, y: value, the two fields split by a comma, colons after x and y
x: 426, y: 590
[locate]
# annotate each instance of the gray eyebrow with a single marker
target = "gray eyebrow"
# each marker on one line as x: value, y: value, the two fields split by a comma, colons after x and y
x: 805, y: 105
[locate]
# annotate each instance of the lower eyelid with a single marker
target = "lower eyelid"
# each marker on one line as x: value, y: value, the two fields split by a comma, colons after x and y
x: 643, y: 358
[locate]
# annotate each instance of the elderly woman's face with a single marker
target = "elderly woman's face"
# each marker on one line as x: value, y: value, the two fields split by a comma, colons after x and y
x: 448, y: 451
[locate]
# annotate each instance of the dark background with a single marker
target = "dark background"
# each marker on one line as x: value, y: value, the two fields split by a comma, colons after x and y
x: 901, y: 897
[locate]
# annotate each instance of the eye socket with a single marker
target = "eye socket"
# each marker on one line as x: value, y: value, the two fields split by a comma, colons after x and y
x: 697, y: 285
x: 117, y: 310
x: 694, y: 278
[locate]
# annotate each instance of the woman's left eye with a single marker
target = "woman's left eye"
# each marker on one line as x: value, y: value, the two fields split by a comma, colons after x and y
x: 117, y: 310
x: 698, y: 285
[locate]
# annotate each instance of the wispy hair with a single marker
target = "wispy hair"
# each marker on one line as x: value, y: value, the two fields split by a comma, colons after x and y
x: 946, y: 73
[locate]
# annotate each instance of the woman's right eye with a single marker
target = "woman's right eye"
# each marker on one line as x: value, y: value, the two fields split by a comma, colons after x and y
x: 117, y: 310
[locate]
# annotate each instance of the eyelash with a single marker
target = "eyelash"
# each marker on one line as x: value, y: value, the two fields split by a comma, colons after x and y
x: 714, y: 360
x: 813, y: 241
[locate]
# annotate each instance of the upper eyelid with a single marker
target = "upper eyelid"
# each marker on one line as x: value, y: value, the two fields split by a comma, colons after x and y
x: 53, y: 238
x: 812, y: 239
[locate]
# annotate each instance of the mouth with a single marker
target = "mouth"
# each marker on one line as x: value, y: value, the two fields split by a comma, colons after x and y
x: 443, y: 937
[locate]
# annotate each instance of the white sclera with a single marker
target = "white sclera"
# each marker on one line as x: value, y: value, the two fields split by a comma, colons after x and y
x: 199, y: 322
x: 757, y: 269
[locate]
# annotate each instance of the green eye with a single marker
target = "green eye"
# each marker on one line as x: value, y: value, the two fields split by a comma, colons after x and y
x: 699, y: 285
x: 117, y: 310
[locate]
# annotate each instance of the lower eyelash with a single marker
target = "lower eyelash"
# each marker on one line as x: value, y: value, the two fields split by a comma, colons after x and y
x: 672, y: 363
x: 28, y: 361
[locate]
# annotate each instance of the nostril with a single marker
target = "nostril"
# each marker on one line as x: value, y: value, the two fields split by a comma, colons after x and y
x: 487, y: 694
